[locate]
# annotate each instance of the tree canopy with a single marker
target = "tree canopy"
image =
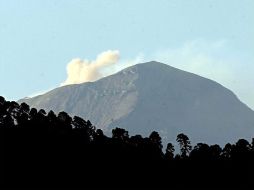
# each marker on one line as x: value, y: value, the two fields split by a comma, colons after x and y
x: 41, y: 148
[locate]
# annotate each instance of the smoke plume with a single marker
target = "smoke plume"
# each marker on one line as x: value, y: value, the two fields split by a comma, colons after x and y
x: 80, y: 71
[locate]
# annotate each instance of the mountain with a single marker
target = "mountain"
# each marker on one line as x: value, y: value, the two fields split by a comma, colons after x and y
x: 154, y: 96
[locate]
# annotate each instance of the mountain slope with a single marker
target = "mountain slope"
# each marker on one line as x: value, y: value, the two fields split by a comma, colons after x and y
x: 154, y: 96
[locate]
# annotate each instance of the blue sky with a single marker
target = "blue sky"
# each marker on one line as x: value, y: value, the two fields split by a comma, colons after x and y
x: 213, y: 38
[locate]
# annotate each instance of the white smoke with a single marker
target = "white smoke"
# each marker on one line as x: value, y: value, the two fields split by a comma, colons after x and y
x: 80, y: 71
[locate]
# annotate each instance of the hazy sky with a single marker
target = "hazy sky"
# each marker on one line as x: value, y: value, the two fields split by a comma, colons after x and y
x: 38, y: 38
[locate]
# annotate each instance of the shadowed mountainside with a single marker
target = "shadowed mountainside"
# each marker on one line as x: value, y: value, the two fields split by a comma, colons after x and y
x: 154, y: 96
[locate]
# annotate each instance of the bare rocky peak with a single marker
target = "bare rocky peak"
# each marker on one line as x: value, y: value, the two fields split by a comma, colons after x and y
x: 154, y: 96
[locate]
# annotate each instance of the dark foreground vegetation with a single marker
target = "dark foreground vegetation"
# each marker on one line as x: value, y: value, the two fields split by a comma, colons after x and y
x: 40, y: 149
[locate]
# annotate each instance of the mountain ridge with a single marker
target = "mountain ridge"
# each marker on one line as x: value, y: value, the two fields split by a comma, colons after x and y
x: 154, y: 96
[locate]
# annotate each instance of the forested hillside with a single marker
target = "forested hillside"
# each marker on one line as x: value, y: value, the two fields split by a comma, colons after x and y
x: 55, y: 150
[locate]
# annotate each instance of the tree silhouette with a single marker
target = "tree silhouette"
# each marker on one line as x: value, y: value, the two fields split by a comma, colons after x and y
x: 252, y: 144
x: 227, y: 150
x: 33, y: 113
x: 156, y: 139
x: 24, y: 108
x: 83, y: 128
x: 52, y: 118
x: 42, y: 112
x: 242, y: 145
x: 185, y: 145
x: 169, y: 155
x: 200, y: 151
x: 136, y: 140
x: 65, y: 121
x: 2, y: 100
x: 215, y: 152
x: 120, y: 134
x: 99, y: 137
x: 241, y: 149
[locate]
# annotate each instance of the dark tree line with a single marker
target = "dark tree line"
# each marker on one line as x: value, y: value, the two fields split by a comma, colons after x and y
x: 43, y: 149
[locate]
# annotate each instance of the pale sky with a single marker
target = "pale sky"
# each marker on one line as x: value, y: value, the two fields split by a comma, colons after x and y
x: 38, y: 38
